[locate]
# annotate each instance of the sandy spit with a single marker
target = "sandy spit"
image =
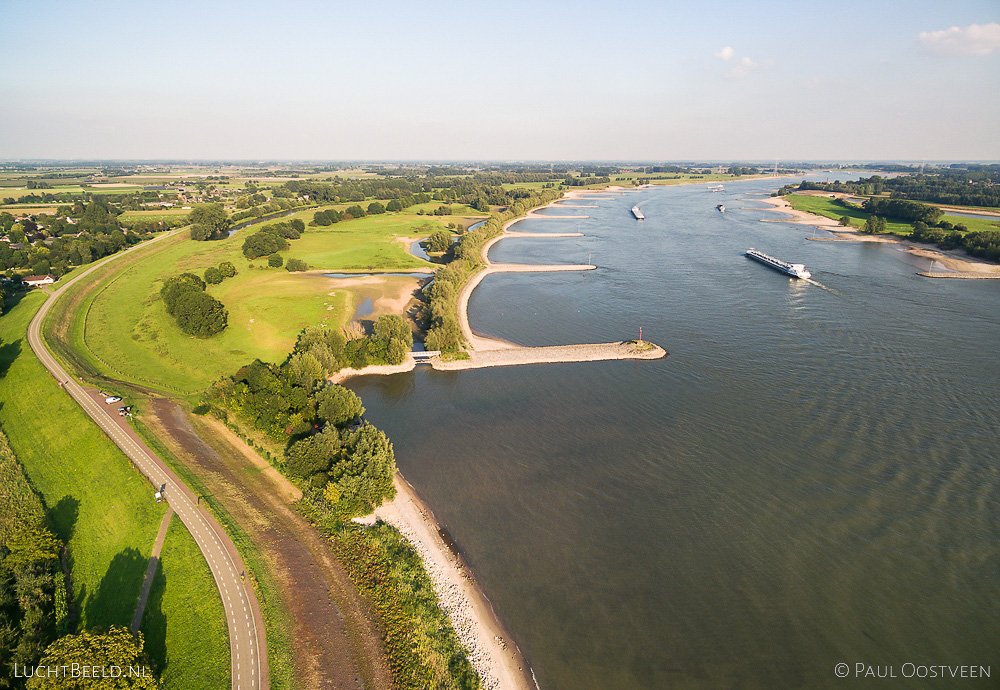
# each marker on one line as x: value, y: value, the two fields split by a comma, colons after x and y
x: 957, y: 260
x: 591, y: 352
x: 491, y: 650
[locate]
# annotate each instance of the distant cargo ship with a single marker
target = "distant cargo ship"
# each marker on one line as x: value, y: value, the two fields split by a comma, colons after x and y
x: 637, y: 213
x: 722, y: 209
x: 794, y: 270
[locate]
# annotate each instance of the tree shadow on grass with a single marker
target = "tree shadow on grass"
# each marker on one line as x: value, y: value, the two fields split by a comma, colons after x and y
x: 154, y: 623
x: 113, y: 603
x: 63, y: 517
x: 8, y: 353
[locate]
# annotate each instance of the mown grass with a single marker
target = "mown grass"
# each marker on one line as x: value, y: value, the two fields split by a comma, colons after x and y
x: 102, y: 507
x: 184, y: 660
x: 829, y: 208
x: 99, y: 504
x: 123, y: 330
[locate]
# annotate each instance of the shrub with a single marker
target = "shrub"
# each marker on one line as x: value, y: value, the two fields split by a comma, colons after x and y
x: 275, y: 260
x: 213, y: 276
x: 294, y: 265
x: 440, y: 241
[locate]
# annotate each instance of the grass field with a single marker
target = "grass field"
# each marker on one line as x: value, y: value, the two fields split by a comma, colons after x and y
x: 153, y: 215
x: 97, y: 501
x: 827, y: 207
x: 169, y: 643
x: 123, y: 330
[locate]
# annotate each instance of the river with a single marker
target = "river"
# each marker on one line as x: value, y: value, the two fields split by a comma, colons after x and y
x: 810, y: 478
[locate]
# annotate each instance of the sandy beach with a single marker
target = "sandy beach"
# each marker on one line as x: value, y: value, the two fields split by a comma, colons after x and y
x: 491, y: 650
x: 960, y: 264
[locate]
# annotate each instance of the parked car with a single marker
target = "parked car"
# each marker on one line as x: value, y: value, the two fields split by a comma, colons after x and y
x: 112, y: 399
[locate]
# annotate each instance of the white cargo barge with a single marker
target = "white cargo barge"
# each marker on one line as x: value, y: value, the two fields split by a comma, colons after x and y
x: 637, y: 213
x: 794, y: 270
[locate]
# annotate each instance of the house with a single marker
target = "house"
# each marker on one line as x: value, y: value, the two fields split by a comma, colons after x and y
x: 35, y: 281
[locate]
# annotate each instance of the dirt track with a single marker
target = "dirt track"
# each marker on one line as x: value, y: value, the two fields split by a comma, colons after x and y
x: 334, y: 643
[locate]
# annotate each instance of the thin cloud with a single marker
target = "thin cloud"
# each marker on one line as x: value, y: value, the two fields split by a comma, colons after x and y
x: 726, y: 53
x: 743, y: 68
x: 972, y: 40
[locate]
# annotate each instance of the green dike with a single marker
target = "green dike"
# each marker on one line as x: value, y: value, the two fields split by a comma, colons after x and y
x: 98, y: 503
x: 117, y: 326
x: 277, y: 620
x: 174, y: 610
x: 829, y: 208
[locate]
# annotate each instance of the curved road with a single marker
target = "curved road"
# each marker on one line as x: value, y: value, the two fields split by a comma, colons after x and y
x: 248, y: 649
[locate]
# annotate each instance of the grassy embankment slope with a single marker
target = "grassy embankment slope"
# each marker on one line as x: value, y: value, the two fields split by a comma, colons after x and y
x: 123, y: 331
x: 182, y: 574
x: 829, y: 208
x: 103, y: 508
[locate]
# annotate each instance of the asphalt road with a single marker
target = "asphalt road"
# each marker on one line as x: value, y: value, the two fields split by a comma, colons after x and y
x: 247, y: 645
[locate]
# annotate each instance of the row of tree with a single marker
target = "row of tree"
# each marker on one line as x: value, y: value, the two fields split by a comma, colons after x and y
x: 196, y: 312
x: 440, y: 316
x: 975, y: 186
x: 33, y: 601
x: 901, y: 209
x: 982, y: 244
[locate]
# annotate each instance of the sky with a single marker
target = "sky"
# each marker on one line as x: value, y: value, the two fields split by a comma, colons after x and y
x: 469, y: 80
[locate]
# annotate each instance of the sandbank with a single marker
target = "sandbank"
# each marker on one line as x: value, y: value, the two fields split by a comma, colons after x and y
x: 956, y: 260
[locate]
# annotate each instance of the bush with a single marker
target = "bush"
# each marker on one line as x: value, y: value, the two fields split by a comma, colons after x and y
x: 275, y: 260
x: 213, y: 276
x: 227, y: 269
x: 294, y: 265
x: 440, y: 241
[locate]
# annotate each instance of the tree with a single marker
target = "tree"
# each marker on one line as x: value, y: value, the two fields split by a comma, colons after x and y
x: 175, y: 286
x: 213, y: 276
x: 227, y: 269
x: 440, y: 241
x: 200, y: 233
x: 298, y: 225
x: 305, y: 458
x: 375, y: 208
x: 338, y: 405
x: 355, y: 211
x: 845, y: 221
x: 213, y: 217
x: 294, y: 265
x: 275, y: 260
x: 363, y: 471
x: 114, y: 648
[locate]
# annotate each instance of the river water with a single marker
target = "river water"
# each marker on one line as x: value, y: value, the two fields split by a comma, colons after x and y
x: 811, y: 477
